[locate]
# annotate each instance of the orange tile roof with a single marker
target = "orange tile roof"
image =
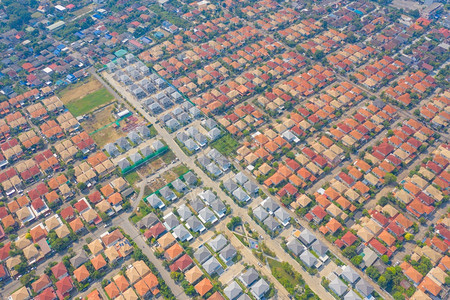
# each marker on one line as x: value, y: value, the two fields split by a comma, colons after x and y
x: 203, y: 286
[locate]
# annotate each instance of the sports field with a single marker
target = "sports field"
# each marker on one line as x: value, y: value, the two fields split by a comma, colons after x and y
x: 85, y: 97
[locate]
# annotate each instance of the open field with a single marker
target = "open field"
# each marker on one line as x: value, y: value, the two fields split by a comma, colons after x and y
x: 107, y: 135
x: 79, y: 90
x: 83, y: 98
x: 89, y: 102
x: 132, y: 177
x: 225, y: 145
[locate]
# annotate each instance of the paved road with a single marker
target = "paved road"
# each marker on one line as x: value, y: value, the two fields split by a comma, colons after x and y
x: 237, y: 211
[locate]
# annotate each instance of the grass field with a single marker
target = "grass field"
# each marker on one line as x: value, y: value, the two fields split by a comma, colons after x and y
x: 89, y: 102
x: 180, y: 170
x: 279, y: 272
x: 132, y: 177
x: 225, y: 145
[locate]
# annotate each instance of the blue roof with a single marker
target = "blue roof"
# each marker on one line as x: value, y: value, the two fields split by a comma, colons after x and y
x: 159, y: 34
x: 60, y: 47
x: 146, y: 40
x: 97, y: 32
x: 108, y: 36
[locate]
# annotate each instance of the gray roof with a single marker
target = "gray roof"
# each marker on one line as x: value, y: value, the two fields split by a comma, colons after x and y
x: 295, y: 246
x: 213, y: 169
x: 337, y: 286
x: 134, y: 137
x: 320, y: 248
x: 282, y: 215
x: 214, y: 133
x: 244, y: 297
x: 207, y: 215
x: 351, y: 295
x: 202, y: 254
x: 228, y: 252
x: 190, y: 178
x: 135, y: 157
x: 146, y: 151
x: 123, y: 143
x: 208, y: 196
x: 182, y: 136
x: 111, y: 149
x: 171, y: 221
x: 214, y: 153
x: 251, y: 187
x: 241, y: 178
x: 184, y: 212
x: 260, y: 288
x: 194, y: 224
x: 218, y: 242
x: 179, y: 185
x: 157, y: 145
x: 218, y: 206
x: 271, y: 223
x: 210, y: 123
x: 191, y: 145
x: 211, y: 266
x: 154, y: 201
x: 144, y: 131
x: 123, y: 163
x: 79, y: 259
x: 167, y: 193
x: 307, y: 237
x: 349, y: 274
x: 308, y: 258
x: 203, y: 160
x: 241, y: 195
x: 364, y: 288
x: 181, y: 233
x: 230, y: 185
x: 148, y: 221
x: 233, y: 290
x: 270, y: 205
x: 369, y: 257
x: 197, y: 205
x: 260, y: 213
x: 249, y: 277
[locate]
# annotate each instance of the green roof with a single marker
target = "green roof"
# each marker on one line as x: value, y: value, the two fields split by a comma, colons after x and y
x: 120, y: 53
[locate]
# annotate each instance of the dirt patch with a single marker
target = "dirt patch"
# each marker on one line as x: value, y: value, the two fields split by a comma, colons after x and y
x: 169, y: 176
x: 107, y: 135
x: 75, y: 92
x: 99, y: 119
x: 156, y: 184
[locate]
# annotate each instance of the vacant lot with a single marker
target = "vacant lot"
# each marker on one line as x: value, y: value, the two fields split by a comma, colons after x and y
x: 81, y: 99
x: 225, y: 145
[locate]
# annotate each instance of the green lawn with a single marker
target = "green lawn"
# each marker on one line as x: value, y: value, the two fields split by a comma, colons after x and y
x: 132, y: 177
x: 226, y: 145
x: 89, y: 102
x: 280, y: 274
x: 180, y: 170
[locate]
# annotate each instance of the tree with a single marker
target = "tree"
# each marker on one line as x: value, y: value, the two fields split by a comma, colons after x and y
x: 390, y: 178
x: 385, y: 259
x: 356, y: 260
x: 81, y: 186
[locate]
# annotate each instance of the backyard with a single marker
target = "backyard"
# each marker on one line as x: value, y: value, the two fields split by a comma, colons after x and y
x: 225, y: 145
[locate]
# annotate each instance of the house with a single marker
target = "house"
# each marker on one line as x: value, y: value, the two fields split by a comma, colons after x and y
x: 218, y: 243
x: 212, y: 266
x: 260, y: 288
x: 202, y: 254
x: 260, y: 213
x: 59, y: 271
x: 338, y: 287
x: 283, y: 216
x: 155, y: 202
x: 306, y: 237
x: 219, y: 208
x: 167, y: 194
x: 227, y: 254
x: 184, y: 212
x: 364, y: 288
x: 207, y: 216
x: 230, y: 185
x: 308, y: 259
x: 249, y: 277
x: 181, y: 264
x: 240, y: 195
x: 233, y: 290
x: 271, y: 223
x: 350, y: 275
x: 320, y: 249
x: 181, y: 233
x: 203, y: 287
x: 270, y: 205
x: 295, y: 246
x: 79, y: 259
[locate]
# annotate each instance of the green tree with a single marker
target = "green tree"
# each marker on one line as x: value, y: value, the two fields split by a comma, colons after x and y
x: 390, y: 178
